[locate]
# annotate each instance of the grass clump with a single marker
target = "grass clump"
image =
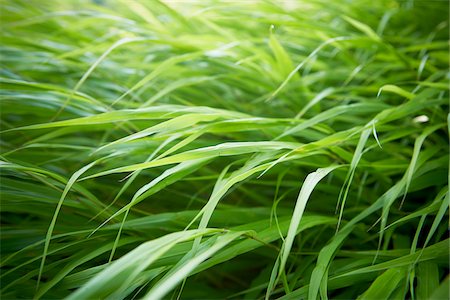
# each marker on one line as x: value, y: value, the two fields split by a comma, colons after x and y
x: 224, y: 150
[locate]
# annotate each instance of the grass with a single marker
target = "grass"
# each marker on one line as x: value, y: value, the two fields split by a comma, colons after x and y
x: 224, y: 149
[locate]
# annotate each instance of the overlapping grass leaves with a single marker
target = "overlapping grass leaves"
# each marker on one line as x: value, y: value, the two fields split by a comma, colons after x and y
x: 173, y: 147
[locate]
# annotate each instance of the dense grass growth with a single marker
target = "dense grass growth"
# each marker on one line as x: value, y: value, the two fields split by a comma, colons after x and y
x: 224, y: 149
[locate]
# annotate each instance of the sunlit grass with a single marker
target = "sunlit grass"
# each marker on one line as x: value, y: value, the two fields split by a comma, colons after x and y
x: 224, y: 149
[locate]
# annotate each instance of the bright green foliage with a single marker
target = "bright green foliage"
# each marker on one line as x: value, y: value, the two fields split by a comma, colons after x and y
x: 224, y: 149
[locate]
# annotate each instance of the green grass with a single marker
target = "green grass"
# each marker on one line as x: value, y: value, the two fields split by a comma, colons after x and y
x: 224, y: 149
